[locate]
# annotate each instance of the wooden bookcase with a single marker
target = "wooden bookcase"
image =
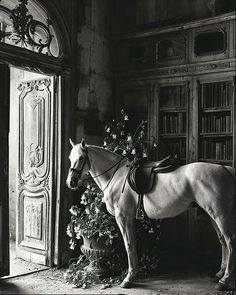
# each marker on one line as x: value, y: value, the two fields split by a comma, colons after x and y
x: 216, y: 106
x: 173, y: 118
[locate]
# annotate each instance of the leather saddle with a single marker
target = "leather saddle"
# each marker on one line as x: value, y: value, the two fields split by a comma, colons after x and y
x: 142, y: 173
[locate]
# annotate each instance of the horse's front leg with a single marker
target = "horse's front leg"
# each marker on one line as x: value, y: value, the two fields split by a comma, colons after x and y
x: 127, y: 228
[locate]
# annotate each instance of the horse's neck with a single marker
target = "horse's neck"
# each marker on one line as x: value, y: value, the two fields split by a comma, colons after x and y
x: 103, y: 165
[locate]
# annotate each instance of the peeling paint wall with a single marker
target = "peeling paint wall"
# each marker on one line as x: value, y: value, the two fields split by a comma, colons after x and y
x: 94, y: 94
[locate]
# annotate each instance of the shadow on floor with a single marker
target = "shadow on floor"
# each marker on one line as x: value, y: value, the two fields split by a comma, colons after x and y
x: 5, y: 286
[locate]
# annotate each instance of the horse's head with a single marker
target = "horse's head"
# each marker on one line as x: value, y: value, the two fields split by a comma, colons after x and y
x: 80, y: 164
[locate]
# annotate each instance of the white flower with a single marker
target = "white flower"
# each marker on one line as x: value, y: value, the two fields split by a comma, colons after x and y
x: 114, y: 136
x: 77, y: 228
x: 144, y: 154
x: 69, y: 231
x: 124, y: 153
x: 129, y: 138
x: 97, y: 210
x: 126, y: 118
x: 105, y: 143
x: 151, y: 231
x: 133, y: 152
x: 79, y: 234
x: 74, y: 210
x: 87, y: 211
x: 141, y: 134
x: 83, y: 200
x: 72, y: 246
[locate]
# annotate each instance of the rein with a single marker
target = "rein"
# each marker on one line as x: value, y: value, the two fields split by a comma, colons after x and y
x: 86, y: 160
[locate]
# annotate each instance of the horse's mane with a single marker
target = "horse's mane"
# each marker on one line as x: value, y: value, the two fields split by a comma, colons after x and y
x: 103, y: 149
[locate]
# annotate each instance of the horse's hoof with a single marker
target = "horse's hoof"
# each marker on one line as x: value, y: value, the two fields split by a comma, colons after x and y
x: 221, y: 287
x: 125, y: 284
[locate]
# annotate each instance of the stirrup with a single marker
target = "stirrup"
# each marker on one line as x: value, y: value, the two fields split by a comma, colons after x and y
x: 140, y: 213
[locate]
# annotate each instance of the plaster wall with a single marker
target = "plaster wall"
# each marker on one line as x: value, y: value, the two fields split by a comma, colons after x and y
x: 93, y: 94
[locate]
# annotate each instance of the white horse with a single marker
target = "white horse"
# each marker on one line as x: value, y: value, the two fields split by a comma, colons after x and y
x: 211, y: 186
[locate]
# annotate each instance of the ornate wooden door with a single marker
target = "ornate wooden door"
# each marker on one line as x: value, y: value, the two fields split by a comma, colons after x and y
x: 35, y: 169
x: 4, y: 129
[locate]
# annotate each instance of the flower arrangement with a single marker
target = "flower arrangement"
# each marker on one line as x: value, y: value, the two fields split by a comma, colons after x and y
x: 92, y: 221
x: 91, y: 218
x: 120, y: 140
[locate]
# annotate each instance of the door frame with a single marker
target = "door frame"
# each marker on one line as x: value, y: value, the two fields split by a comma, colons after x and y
x: 64, y: 72
x: 4, y: 130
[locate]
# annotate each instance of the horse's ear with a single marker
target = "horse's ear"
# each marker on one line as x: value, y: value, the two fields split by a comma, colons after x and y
x: 71, y: 142
x: 83, y: 144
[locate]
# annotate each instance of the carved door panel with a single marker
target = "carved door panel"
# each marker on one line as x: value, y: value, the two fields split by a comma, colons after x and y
x: 35, y: 179
x: 4, y: 129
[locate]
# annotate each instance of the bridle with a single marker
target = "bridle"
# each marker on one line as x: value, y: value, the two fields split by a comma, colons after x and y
x: 79, y: 172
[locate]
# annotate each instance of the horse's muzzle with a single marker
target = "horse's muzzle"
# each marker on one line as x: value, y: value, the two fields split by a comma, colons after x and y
x: 72, y: 182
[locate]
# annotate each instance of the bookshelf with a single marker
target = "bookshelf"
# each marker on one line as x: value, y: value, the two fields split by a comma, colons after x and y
x: 173, y: 106
x: 215, y: 122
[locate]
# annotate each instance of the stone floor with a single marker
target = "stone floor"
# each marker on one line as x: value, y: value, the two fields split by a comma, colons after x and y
x: 19, y: 266
x: 51, y: 281
x: 28, y: 278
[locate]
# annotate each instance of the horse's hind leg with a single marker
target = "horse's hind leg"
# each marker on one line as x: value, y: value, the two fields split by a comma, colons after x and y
x: 127, y: 228
x: 224, y: 250
x: 227, y: 228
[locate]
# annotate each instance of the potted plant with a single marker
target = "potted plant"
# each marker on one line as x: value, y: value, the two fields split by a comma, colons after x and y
x: 95, y: 226
x: 92, y: 223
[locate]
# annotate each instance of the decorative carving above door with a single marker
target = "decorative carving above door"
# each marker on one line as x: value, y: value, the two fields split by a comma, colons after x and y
x: 24, y: 24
